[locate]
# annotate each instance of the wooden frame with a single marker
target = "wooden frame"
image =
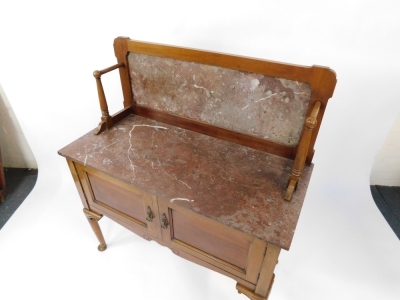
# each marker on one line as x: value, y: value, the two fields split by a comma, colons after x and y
x: 321, y: 79
x: 225, y: 233
x: 254, y: 281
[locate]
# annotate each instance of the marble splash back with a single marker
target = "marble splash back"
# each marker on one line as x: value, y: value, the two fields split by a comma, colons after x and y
x: 254, y: 104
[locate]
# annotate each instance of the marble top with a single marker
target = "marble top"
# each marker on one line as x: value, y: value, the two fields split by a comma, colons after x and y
x: 263, y: 106
x: 229, y: 183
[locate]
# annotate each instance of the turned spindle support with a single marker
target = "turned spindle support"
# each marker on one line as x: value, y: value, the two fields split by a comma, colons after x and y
x: 302, y: 151
x: 106, y: 120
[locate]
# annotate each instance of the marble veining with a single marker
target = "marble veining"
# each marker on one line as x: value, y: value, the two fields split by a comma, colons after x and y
x: 232, y: 184
x: 263, y: 106
x: 182, y: 199
x: 130, y: 142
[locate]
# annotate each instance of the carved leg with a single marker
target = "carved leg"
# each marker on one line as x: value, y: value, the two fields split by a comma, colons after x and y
x: 266, y: 278
x: 93, y: 219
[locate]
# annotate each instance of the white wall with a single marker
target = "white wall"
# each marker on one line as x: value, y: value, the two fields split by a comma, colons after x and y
x: 343, y: 248
x: 15, y: 150
x: 386, y: 168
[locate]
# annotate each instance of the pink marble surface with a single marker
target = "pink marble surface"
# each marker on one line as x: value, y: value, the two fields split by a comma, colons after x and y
x: 262, y: 106
x: 232, y: 184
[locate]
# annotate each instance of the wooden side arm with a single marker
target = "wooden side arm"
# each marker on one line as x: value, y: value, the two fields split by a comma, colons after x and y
x: 106, y: 120
x: 302, y: 151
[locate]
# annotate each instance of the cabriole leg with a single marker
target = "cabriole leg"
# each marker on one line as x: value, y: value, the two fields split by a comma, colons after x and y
x: 93, y: 219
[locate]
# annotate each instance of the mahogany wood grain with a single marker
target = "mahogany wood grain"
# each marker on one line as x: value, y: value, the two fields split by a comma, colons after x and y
x: 218, y: 132
x: 266, y: 67
x: 119, y: 200
x: 267, y: 270
x: 248, y: 252
x: 122, y: 114
x: 204, y: 236
x: 125, y: 201
x: 132, y: 226
x: 255, y: 259
x: 301, y: 155
x: 78, y: 184
x: 310, y: 123
x: 249, y: 292
x: 106, y: 120
x: 93, y: 219
x: 323, y: 84
x: 321, y: 79
x: 195, y: 237
x: 212, y: 266
x: 121, y: 52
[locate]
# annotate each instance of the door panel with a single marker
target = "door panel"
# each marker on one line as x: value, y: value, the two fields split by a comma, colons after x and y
x: 119, y: 200
x: 215, y: 241
x: 122, y: 200
x: 225, y: 248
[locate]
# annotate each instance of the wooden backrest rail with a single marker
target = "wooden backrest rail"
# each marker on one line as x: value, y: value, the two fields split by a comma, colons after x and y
x: 182, y: 87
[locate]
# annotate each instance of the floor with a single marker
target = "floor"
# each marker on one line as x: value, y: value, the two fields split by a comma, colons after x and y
x: 19, y: 183
x: 387, y: 198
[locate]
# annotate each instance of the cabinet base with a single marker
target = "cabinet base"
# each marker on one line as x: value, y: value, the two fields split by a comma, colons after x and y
x: 253, y: 296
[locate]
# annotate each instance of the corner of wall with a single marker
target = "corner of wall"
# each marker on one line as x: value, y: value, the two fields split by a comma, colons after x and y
x: 386, y: 168
x: 16, y: 152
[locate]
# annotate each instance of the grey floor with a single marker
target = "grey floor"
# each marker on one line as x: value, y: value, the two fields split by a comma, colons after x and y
x: 19, y: 183
x: 387, y: 198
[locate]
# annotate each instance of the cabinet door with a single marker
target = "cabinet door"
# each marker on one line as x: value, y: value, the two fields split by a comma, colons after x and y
x: 125, y: 204
x: 226, y: 249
